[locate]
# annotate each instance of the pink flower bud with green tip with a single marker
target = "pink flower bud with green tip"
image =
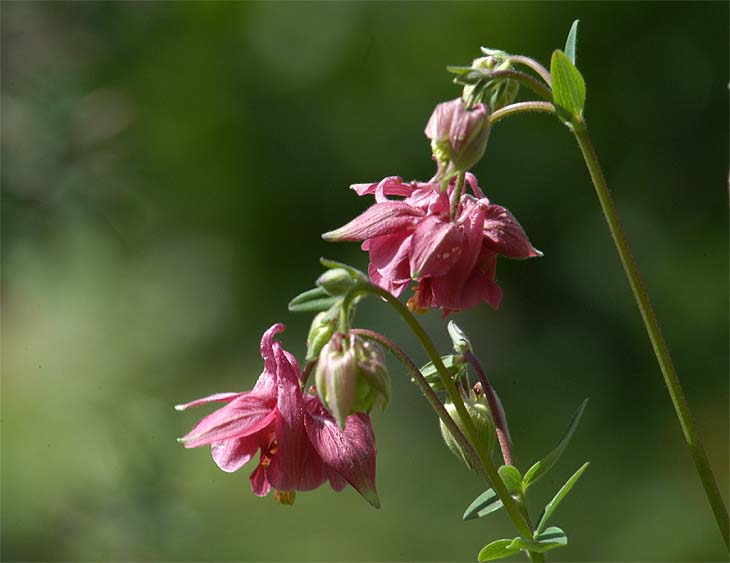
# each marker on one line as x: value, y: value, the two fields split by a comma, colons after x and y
x: 458, y: 136
x: 300, y: 444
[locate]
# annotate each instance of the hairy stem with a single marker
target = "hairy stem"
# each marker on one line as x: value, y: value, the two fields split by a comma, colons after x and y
x: 521, y: 107
x: 495, y: 406
x: 429, y: 393
x: 534, y: 65
x: 456, y: 197
x: 674, y: 387
x: 518, y: 519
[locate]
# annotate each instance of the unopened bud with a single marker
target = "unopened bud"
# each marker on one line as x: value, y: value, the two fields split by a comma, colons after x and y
x: 351, y: 376
x: 336, y: 377
x: 336, y: 281
x: 482, y: 419
x: 321, y: 330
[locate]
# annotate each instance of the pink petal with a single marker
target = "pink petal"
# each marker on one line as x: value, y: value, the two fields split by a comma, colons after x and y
x: 380, y: 219
x: 476, y: 190
x: 267, y: 381
x: 259, y: 481
x: 504, y: 235
x: 481, y: 285
x: 311, y: 474
x: 215, y: 398
x: 396, y: 288
x: 231, y: 455
x: 392, y: 185
x: 243, y: 416
x: 349, y: 451
x: 436, y: 247
x: 389, y: 254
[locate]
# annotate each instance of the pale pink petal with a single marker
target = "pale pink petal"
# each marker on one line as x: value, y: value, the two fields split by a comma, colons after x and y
x: 243, y: 416
x: 476, y: 190
x: 504, y: 235
x: 349, y: 451
x: 380, y: 219
x: 259, y: 481
x: 392, y: 185
x: 231, y: 455
x: 215, y: 398
x: 436, y: 247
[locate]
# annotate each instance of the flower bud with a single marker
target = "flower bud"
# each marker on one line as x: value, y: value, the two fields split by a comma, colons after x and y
x: 336, y: 377
x: 482, y: 419
x: 321, y: 330
x: 458, y: 135
x: 336, y: 281
x: 373, y: 382
x: 351, y: 376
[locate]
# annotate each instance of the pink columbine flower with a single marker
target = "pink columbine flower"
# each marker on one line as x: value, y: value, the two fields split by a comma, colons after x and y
x: 413, y: 239
x: 300, y: 444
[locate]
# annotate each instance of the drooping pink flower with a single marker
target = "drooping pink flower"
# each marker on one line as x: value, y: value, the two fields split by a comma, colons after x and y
x: 300, y: 444
x: 413, y: 239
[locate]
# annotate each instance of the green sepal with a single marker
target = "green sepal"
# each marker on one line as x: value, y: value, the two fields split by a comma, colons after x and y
x: 454, y: 364
x: 559, y: 496
x: 571, y: 41
x: 312, y: 301
x: 498, y: 549
x: 354, y: 272
x: 569, y: 88
x: 545, y: 464
x: 455, y: 69
x: 459, y: 339
x: 511, y: 478
x: 551, y: 538
x: 484, y: 504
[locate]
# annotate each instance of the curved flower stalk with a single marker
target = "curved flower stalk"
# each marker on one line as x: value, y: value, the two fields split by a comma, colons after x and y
x: 452, y: 262
x: 300, y: 444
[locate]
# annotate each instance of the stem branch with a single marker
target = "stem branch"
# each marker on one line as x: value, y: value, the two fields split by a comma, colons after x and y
x: 534, y: 65
x: 651, y: 323
x: 429, y: 393
x: 456, y: 197
x: 521, y: 107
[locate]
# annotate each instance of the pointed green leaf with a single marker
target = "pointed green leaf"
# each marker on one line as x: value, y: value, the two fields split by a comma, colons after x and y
x: 496, y: 550
x: 512, y: 479
x: 569, y: 88
x: 453, y: 363
x: 458, y: 69
x: 314, y: 301
x: 571, y: 41
x: 545, y: 464
x: 559, y: 496
x: 551, y: 538
x: 484, y: 504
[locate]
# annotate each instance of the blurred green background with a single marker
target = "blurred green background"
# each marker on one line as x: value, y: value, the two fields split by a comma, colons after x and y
x: 167, y: 169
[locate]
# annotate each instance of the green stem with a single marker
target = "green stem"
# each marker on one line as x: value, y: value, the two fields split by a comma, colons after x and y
x: 652, y: 328
x: 534, y: 65
x: 521, y: 107
x: 495, y: 481
x: 429, y: 393
x: 457, y: 195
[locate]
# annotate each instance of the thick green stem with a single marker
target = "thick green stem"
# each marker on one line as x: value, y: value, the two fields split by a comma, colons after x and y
x: 490, y: 470
x: 661, y: 351
x: 429, y: 393
x: 456, y: 198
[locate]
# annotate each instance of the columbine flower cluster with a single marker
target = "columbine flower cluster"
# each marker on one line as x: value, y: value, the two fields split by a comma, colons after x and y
x: 433, y: 234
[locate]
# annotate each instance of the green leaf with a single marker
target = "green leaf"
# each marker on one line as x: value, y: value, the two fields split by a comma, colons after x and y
x: 458, y: 69
x: 453, y: 363
x: 551, y: 538
x: 314, y: 300
x: 559, y: 496
x: 484, y: 504
x: 545, y: 464
x: 512, y: 478
x: 571, y: 41
x: 496, y: 550
x: 569, y: 88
